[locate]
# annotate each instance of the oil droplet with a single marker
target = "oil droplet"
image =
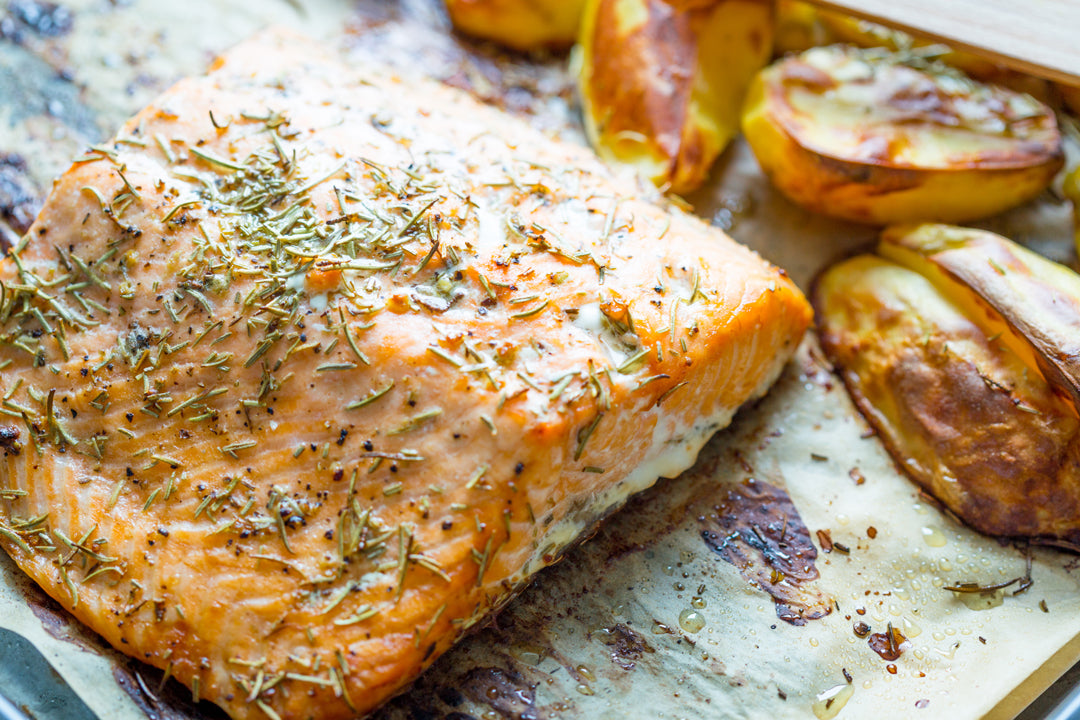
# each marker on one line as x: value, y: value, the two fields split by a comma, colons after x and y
x: 938, y: 635
x: 668, y: 570
x: 934, y: 537
x: 698, y: 603
x: 868, y: 684
x: 813, y: 642
x: 982, y: 601
x: 526, y: 656
x: 585, y: 690
x: 842, y: 519
x: 678, y: 586
x: 585, y: 672
x: 686, y: 556
x: 910, y: 628
x: 832, y: 701
x: 948, y: 654
x: 691, y: 621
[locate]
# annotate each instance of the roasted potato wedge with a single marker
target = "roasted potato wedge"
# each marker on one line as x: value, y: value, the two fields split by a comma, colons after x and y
x: 519, y: 24
x: 962, y: 349
x: 799, y: 27
x: 861, y: 136
x: 662, y: 82
x: 1070, y: 188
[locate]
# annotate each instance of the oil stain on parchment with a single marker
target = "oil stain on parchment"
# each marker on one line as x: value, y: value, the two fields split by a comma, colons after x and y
x: 757, y: 528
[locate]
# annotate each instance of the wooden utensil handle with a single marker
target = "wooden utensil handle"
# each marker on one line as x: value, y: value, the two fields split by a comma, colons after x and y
x: 1039, y: 37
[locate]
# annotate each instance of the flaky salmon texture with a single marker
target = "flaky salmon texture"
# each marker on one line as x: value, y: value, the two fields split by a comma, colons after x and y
x: 311, y: 368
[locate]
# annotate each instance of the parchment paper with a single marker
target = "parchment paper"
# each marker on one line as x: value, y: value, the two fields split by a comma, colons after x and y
x: 646, y: 620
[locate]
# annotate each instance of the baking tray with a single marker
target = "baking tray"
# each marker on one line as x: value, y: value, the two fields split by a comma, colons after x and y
x: 610, y: 631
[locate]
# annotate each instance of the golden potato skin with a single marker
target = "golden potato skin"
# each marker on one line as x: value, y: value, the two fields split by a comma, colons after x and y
x: 662, y: 83
x: 972, y: 421
x: 873, y: 141
x: 519, y: 24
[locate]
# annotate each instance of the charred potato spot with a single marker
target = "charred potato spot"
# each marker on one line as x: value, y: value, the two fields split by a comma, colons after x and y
x: 863, y: 136
x: 961, y: 394
x: 662, y: 83
x: 519, y: 24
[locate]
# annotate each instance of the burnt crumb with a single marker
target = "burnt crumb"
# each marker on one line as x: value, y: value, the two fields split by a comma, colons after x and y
x: 519, y: 468
x: 450, y: 696
x: 9, y: 440
x: 889, y: 644
x: 342, y: 436
x: 8, y: 435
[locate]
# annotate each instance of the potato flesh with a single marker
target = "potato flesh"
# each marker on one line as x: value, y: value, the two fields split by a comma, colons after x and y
x: 519, y: 24
x: 871, y: 140
x: 960, y: 394
x: 662, y: 83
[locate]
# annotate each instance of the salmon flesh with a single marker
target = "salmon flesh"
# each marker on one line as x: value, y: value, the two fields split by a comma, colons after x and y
x: 312, y: 367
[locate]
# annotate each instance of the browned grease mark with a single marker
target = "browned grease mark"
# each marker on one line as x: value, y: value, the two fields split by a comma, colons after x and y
x: 169, y: 702
x: 19, y: 201
x: 56, y: 621
x: 759, y: 517
x: 41, y: 18
x: 504, y: 691
x: 627, y: 647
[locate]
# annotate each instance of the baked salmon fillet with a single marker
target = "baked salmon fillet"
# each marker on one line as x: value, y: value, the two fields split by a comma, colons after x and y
x: 311, y: 368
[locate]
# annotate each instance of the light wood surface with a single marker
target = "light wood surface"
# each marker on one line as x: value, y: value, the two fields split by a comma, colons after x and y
x: 1040, y: 37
